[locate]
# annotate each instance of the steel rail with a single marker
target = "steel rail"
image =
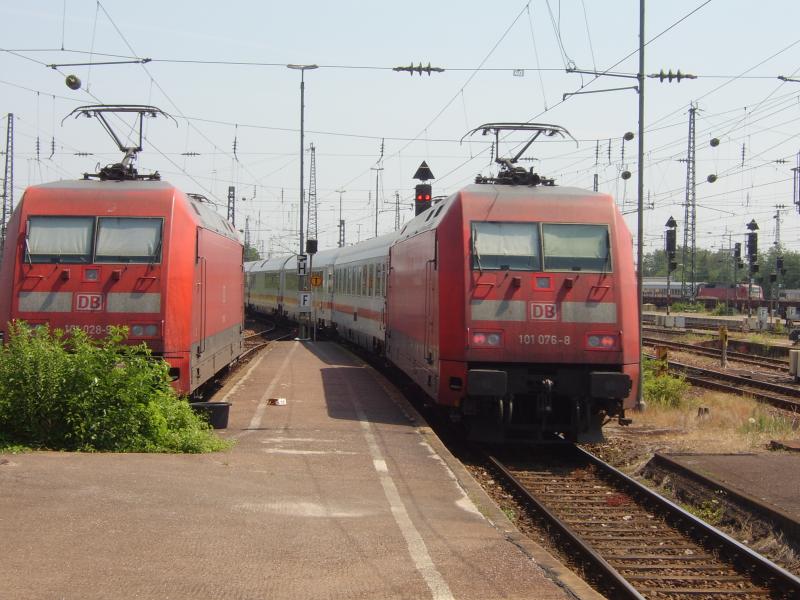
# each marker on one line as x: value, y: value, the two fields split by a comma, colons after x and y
x: 742, y: 558
x: 768, y: 570
x: 623, y: 585
x: 740, y: 385
x: 760, y: 361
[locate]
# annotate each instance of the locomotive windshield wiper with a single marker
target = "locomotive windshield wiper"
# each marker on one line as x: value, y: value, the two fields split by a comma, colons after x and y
x: 157, y: 253
x: 475, y: 251
x: 607, y: 261
x: 28, y: 252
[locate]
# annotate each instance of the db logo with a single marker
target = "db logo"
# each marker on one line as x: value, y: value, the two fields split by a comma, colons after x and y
x: 89, y: 302
x: 542, y: 311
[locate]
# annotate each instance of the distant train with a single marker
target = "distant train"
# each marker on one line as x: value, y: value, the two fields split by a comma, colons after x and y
x: 729, y: 292
x: 512, y: 303
x: 92, y: 254
x: 654, y: 289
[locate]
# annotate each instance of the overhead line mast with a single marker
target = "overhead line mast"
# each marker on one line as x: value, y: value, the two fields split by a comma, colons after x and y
x: 311, y: 233
x: 690, y: 211
x: 8, y: 180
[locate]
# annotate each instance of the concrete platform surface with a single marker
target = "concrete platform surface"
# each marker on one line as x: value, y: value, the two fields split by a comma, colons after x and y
x: 340, y: 493
x: 773, y: 478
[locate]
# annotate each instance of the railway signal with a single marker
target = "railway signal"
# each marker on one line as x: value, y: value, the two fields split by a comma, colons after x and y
x: 752, y: 256
x: 423, y: 192
x: 422, y: 197
x: 669, y: 248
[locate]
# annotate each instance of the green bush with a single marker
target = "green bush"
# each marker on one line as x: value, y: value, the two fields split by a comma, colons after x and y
x: 720, y: 310
x: 695, y: 307
x: 661, y: 388
x: 73, y: 393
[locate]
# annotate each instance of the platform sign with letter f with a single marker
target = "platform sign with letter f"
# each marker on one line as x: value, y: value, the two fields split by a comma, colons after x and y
x: 304, y: 302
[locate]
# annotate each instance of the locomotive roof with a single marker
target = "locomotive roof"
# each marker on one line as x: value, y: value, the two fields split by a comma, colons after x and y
x: 209, y: 218
x: 548, y: 191
x: 79, y: 184
x: 431, y: 217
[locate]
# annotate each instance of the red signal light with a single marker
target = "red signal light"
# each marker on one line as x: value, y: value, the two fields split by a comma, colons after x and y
x: 486, y: 339
x: 423, y: 194
x: 602, y: 341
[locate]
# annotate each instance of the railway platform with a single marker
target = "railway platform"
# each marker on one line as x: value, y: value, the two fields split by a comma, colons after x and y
x: 767, y: 484
x: 771, y: 478
x: 341, y: 491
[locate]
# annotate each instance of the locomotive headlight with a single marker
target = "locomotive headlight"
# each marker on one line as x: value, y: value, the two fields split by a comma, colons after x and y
x: 602, y: 341
x: 144, y: 331
x: 486, y: 339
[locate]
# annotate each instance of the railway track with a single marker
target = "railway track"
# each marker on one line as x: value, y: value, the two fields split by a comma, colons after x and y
x: 786, y: 397
x: 775, y: 364
x: 253, y: 342
x: 643, y: 545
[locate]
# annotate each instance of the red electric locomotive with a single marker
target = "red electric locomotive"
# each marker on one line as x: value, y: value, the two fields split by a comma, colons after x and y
x: 514, y: 304
x: 128, y: 250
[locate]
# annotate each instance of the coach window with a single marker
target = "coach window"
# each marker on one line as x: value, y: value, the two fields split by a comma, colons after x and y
x: 576, y: 247
x: 128, y: 239
x: 371, y: 280
x: 505, y: 246
x: 379, y: 279
x: 59, y: 239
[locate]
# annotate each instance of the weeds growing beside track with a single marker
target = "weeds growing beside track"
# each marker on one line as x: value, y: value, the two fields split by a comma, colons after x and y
x: 660, y: 388
x: 695, y: 420
x: 70, y: 392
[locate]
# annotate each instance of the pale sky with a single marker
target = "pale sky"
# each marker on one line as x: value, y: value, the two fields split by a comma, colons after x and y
x: 355, y: 103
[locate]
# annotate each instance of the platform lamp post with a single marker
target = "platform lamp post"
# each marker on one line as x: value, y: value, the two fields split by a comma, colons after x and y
x: 302, y: 283
x: 302, y: 69
x: 669, y: 250
x: 752, y: 259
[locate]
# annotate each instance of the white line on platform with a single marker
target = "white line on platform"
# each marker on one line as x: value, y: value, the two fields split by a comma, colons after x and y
x: 416, y: 545
x: 255, y: 422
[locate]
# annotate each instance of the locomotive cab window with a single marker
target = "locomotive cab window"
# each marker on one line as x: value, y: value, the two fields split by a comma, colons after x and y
x: 576, y: 247
x: 59, y: 239
x: 128, y: 240
x: 505, y: 246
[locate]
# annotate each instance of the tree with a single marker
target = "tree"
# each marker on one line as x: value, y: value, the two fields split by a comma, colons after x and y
x: 716, y: 266
x: 250, y: 253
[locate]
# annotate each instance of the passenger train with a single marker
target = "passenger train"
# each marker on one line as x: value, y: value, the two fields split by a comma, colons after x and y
x: 512, y: 303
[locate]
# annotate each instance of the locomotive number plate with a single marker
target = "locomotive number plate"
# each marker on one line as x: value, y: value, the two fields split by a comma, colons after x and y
x: 90, y: 329
x: 543, y: 339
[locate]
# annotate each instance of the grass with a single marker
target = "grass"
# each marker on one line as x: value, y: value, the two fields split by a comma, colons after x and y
x: 709, y: 511
x: 731, y: 424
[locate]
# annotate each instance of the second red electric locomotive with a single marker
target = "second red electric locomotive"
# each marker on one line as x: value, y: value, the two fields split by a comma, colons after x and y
x: 91, y: 254
x: 119, y: 248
